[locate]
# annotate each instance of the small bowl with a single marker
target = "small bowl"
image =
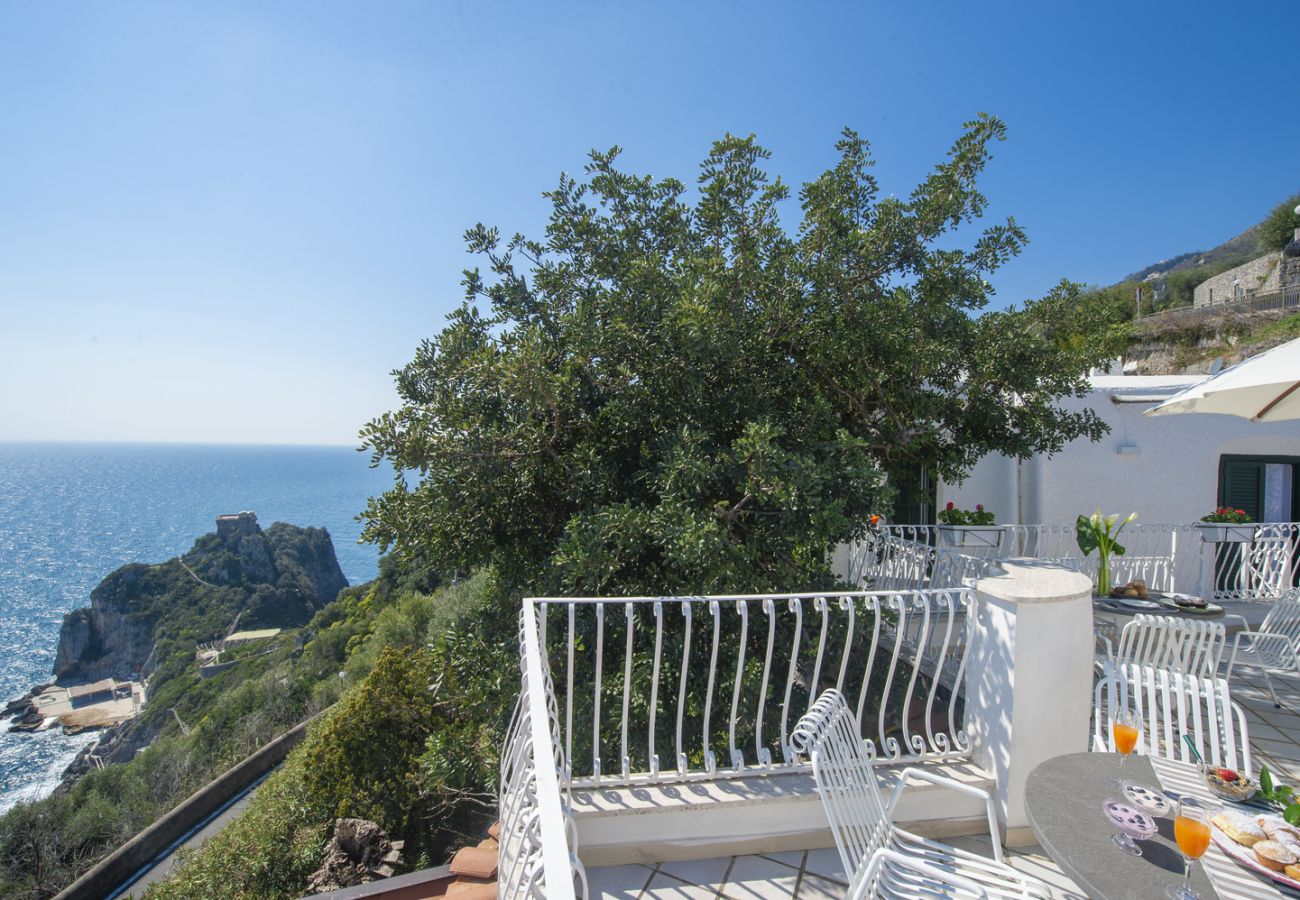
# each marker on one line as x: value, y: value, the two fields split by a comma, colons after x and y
x: 1240, y: 790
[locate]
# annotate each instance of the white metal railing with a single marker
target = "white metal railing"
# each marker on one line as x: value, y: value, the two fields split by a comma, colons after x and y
x: 537, y: 857
x: 910, y: 558
x: 1166, y: 557
x: 663, y: 689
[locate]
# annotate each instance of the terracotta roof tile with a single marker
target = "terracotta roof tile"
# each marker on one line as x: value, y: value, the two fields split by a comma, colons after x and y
x: 466, y: 891
x: 472, y: 889
x: 476, y: 862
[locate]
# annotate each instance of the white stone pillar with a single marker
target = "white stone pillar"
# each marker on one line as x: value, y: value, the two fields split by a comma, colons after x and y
x: 1029, y: 682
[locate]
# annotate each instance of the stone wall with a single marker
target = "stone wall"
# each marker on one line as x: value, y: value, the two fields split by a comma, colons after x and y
x: 1258, y: 275
x: 234, y: 526
x: 1289, y: 269
x: 123, y: 866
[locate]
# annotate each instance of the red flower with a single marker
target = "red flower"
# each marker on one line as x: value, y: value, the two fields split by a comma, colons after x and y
x: 950, y: 505
x: 979, y: 507
x: 1241, y: 512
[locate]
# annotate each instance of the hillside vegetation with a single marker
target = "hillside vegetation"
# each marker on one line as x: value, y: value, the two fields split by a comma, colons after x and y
x: 358, y: 756
x: 1192, y: 342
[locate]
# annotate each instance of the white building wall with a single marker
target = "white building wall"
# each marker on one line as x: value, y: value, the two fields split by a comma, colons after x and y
x: 1166, y: 468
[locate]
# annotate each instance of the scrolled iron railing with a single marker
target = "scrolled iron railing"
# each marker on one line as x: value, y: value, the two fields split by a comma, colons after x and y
x: 672, y: 689
x: 1166, y: 557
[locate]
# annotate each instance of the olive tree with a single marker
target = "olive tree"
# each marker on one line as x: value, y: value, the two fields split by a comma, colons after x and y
x: 672, y: 390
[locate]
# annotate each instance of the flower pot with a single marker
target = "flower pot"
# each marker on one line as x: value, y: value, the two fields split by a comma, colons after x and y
x: 979, y: 536
x: 1226, y: 532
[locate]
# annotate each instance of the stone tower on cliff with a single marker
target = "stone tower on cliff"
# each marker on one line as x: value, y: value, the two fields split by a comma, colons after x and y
x: 233, y: 526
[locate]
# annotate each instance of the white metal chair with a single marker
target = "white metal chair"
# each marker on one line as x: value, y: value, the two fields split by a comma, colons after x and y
x: 883, y: 860
x: 1274, y: 646
x: 1179, y: 645
x: 1169, y: 705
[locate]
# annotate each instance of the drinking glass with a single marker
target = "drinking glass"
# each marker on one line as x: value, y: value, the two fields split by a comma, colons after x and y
x: 1125, y: 728
x: 1192, y: 832
x: 1129, y: 822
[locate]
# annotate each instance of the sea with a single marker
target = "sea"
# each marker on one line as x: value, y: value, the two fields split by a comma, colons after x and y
x: 71, y: 513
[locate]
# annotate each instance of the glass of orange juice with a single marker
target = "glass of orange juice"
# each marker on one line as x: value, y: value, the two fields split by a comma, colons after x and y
x: 1125, y: 728
x: 1192, y: 832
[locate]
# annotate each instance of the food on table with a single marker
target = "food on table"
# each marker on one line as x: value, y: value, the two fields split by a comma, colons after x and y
x: 1240, y: 827
x: 1275, y: 855
x: 1230, y: 784
x: 1153, y: 800
x: 1279, y: 829
x: 1134, y: 589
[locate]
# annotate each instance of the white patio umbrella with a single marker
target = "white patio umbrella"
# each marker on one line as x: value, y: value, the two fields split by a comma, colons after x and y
x: 1263, y: 388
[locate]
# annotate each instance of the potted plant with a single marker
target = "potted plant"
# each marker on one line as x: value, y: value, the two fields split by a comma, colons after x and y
x: 1226, y: 526
x: 1098, y: 532
x: 968, y: 527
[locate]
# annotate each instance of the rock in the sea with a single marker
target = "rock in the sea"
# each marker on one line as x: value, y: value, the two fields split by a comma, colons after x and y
x: 273, y: 578
x: 358, y: 853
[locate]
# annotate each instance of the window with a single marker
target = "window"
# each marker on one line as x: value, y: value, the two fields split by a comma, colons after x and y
x: 1266, y: 487
x: 914, y: 504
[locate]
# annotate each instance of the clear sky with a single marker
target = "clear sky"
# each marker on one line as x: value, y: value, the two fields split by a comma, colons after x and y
x: 231, y: 221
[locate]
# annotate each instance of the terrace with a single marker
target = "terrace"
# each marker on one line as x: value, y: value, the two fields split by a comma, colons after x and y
x: 650, y: 754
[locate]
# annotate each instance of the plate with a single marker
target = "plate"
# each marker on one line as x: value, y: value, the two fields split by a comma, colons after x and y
x: 1135, y: 602
x: 1246, y: 857
x: 1209, y: 609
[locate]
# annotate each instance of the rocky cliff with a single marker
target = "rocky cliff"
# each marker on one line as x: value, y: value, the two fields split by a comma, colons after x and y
x: 276, y: 577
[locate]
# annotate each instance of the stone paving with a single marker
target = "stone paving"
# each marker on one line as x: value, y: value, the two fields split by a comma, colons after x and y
x: 1274, y: 741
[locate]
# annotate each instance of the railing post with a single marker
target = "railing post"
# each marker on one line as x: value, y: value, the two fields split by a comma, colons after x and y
x: 535, y: 856
x: 1029, y: 677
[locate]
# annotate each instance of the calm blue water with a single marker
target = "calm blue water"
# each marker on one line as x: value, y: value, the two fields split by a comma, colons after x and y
x: 72, y: 513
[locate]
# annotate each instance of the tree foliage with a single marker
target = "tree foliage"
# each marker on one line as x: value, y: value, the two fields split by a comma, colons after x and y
x: 1278, y: 230
x: 671, y: 391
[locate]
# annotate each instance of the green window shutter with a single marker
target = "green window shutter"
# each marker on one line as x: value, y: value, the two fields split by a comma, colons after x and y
x: 1241, y: 486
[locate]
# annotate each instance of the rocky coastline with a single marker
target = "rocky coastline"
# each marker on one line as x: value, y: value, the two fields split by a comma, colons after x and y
x: 140, y: 627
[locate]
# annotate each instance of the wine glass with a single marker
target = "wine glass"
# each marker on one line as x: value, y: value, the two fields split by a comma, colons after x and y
x: 1192, y: 832
x: 1125, y: 728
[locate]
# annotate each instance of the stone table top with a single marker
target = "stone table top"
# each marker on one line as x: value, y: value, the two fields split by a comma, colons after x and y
x: 1063, y: 800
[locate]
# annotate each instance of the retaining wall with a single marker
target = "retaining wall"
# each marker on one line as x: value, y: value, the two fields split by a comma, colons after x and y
x: 146, y: 846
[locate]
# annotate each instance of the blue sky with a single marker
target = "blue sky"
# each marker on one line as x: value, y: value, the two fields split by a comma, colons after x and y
x: 230, y: 222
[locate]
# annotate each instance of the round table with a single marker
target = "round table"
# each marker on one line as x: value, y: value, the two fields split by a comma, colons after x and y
x: 1063, y: 800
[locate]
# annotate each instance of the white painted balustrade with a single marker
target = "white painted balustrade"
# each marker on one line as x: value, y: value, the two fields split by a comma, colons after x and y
x: 537, y: 858
x: 1166, y: 557
x: 653, y: 690
x: 649, y: 726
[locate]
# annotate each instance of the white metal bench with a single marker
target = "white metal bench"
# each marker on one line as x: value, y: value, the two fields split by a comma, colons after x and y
x: 883, y: 860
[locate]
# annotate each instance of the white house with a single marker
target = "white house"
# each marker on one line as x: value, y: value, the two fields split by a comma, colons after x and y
x: 1169, y: 469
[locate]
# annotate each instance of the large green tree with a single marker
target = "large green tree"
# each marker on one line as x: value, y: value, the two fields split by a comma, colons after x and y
x: 672, y: 391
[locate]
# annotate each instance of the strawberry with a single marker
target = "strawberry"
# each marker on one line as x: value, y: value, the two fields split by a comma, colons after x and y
x: 1228, y: 775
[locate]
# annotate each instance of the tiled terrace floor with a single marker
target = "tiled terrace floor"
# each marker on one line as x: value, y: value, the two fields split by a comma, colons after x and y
x: 1274, y: 739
